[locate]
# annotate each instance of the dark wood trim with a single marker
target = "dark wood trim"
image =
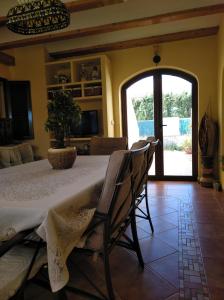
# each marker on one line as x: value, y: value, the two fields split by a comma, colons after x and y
x: 2, y: 21
x: 152, y: 40
x: 158, y: 118
x: 158, y: 129
x: 79, y: 5
x: 194, y: 127
x: 7, y: 59
x: 124, y: 113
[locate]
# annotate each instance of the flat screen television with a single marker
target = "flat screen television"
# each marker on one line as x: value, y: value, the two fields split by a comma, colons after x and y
x: 88, y: 125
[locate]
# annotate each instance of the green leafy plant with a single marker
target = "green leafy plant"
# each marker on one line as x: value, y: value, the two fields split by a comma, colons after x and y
x: 171, y: 146
x: 187, y: 145
x: 63, y: 111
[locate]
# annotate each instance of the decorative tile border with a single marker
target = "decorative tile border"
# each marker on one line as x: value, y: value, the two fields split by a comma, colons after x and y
x: 193, y: 283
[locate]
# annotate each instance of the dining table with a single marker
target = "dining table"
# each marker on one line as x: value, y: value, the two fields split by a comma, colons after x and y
x: 59, y: 204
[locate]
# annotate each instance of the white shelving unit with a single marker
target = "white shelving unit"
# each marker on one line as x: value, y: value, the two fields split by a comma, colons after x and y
x: 89, y: 80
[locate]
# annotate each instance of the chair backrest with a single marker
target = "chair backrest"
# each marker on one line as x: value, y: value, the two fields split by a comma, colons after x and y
x: 139, y: 163
x: 107, y: 145
x: 145, y: 166
x: 151, y: 152
x: 117, y: 183
x: 117, y: 198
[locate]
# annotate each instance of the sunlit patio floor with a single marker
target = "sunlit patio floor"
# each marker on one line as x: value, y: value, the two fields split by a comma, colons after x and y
x: 175, y: 163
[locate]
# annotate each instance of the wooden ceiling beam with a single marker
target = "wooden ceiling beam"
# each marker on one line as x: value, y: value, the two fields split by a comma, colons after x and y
x: 7, y: 59
x: 2, y: 21
x: 164, y: 18
x: 171, y: 37
x: 79, y: 5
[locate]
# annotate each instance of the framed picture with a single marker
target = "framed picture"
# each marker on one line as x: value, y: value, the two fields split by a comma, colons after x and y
x: 95, y: 72
x: 89, y: 71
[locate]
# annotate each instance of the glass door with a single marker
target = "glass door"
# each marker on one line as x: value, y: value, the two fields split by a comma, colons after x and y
x: 163, y: 103
x: 177, y: 126
x: 140, y: 112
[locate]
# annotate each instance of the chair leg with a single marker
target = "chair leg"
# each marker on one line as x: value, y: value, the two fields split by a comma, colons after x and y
x: 147, y: 208
x: 136, y: 242
x: 108, y: 280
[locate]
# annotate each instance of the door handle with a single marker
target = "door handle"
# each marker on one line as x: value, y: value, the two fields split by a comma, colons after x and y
x: 164, y: 125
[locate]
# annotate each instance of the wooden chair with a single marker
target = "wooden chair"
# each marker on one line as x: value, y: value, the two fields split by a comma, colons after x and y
x: 114, y: 213
x: 107, y: 145
x: 141, y: 189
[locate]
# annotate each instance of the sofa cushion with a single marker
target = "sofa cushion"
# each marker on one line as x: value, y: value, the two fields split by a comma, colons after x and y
x: 10, y: 156
x: 26, y: 152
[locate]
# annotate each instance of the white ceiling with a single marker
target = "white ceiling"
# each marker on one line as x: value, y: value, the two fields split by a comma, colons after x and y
x: 129, y: 10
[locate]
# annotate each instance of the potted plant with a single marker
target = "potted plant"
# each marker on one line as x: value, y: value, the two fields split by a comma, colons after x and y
x: 63, y: 111
x: 187, y: 146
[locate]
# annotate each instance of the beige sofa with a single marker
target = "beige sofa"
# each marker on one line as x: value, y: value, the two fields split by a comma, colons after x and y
x: 15, y: 155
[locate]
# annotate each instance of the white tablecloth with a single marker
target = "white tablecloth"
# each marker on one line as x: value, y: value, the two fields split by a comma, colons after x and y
x: 60, y: 202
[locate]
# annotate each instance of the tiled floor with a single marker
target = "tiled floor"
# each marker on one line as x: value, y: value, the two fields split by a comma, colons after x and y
x: 184, y: 259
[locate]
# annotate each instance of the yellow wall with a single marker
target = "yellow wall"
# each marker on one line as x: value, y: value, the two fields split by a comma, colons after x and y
x: 221, y: 93
x: 197, y: 57
x: 30, y: 66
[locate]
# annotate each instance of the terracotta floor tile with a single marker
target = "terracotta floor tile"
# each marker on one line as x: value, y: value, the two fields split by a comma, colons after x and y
x: 210, y: 230
x: 212, y: 247
x: 213, y: 217
x: 160, y: 210
x: 215, y: 272
x: 142, y: 285
x: 153, y: 249
x: 142, y: 234
x: 131, y: 282
x: 167, y: 267
x: 165, y: 200
x: 171, y: 218
x: 178, y: 195
x: 173, y: 297
x: 170, y: 237
x: 159, y: 224
x: 217, y: 294
x: 173, y: 203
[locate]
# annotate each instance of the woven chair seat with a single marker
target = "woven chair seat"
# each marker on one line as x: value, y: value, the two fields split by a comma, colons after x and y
x: 14, y: 265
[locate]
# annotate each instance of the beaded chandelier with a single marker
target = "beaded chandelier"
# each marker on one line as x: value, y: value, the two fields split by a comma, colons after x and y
x: 37, y: 16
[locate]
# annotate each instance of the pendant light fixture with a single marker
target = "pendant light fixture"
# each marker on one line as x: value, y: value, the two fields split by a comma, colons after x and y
x: 37, y: 16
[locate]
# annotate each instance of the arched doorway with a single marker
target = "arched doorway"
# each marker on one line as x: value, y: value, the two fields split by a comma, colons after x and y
x: 164, y: 103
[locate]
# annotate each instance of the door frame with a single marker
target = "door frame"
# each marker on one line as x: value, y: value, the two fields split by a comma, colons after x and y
x: 157, y: 73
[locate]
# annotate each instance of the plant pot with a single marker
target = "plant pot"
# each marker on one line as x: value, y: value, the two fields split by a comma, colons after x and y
x: 62, y: 158
x: 188, y: 150
x: 207, y: 178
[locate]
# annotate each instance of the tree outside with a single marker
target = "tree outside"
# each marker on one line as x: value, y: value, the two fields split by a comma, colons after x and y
x: 174, y: 105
